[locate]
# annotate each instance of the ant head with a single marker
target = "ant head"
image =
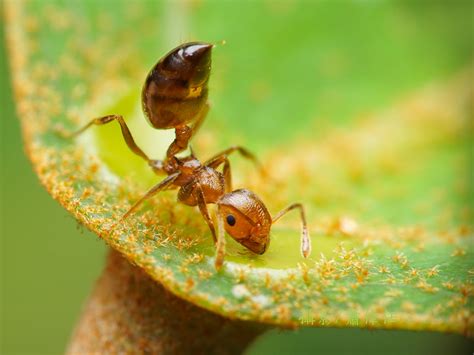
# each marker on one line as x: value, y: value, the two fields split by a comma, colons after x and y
x: 189, y: 62
x: 246, y: 219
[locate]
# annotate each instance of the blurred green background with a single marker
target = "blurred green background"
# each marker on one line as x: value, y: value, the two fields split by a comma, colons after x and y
x: 49, y: 263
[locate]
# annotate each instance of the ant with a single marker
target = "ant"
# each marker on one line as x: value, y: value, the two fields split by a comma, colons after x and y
x: 175, y: 96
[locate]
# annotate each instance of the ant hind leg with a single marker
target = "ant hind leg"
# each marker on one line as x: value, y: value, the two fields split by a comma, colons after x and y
x: 156, y: 165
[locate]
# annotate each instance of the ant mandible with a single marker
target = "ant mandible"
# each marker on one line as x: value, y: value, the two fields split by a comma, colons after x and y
x: 175, y: 96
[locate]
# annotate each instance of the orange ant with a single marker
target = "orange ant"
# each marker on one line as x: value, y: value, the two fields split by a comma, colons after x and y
x: 175, y: 96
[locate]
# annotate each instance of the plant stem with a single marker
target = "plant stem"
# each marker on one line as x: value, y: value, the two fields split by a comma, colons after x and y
x: 128, y: 312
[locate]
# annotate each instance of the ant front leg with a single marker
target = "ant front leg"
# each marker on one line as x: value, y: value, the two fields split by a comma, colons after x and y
x: 152, y: 192
x: 220, y: 247
x: 201, y: 200
x: 305, y: 239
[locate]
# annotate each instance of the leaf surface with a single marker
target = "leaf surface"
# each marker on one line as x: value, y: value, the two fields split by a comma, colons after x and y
x: 356, y: 129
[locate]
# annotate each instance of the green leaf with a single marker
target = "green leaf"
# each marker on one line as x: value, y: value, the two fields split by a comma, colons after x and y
x: 340, y: 103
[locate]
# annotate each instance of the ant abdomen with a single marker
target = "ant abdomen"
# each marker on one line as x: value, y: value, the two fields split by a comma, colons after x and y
x: 175, y: 90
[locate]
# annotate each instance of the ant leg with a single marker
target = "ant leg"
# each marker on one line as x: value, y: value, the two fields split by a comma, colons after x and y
x: 127, y: 135
x: 204, y: 211
x: 305, y: 240
x: 220, y: 247
x: 153, y: 191
x: 220, y: 158
x: 156, y: 165
x: 227, y: 176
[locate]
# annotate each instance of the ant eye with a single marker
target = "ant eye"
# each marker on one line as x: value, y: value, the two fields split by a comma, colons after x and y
x: 230, y: 220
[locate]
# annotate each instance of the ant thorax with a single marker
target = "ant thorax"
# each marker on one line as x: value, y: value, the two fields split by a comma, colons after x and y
x: 204, y: 180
